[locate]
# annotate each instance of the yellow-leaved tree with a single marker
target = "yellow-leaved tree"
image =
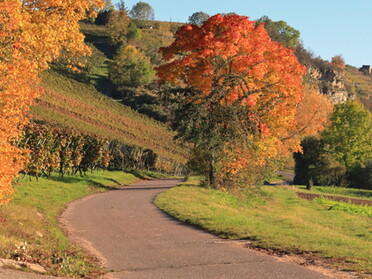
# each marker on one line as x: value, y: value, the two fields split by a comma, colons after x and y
x: 32, y: 34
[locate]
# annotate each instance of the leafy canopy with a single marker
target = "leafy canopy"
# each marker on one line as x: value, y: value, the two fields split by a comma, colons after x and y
x: 281, y: 32
x: 348, y: 139
x: 342, y: 155
x: 198, y: 18
x: 131, y: 68
x: 240, y: 87
x: 32, y: 34
x: 142, y: 11
x: 118, y: 27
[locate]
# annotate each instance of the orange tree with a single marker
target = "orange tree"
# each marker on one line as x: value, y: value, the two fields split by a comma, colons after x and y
x: 32, y: 34
x: 236, y: 93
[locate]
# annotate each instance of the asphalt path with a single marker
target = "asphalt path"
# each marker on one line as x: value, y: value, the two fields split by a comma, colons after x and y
x: 16, y: 274
x: 134, y: 239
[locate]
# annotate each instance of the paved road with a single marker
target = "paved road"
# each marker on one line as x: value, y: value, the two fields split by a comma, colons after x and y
x: 15, y: 274
x: 289, y: 175
x: 136, y: 240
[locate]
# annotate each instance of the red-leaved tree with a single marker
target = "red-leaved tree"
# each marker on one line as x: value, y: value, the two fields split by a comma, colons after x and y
x: 238, y: 93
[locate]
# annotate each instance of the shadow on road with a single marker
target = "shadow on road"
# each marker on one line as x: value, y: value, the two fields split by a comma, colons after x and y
x: 141, y: 189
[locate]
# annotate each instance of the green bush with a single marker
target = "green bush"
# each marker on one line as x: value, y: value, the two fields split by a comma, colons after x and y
x: 332, y: 175
x: 361, y: 177
x: 134, y: 33
x: 308, y: 160
x: 131, y: 68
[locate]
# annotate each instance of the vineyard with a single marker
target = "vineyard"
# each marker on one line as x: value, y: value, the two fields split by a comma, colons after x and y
x: 78, y: 101
x: 79, y: 106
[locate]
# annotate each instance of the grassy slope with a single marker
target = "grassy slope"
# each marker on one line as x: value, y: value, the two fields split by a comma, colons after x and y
x: 362, y: 84
x: 80, y: 106
x: 276, y: 218
x: 152, y: 39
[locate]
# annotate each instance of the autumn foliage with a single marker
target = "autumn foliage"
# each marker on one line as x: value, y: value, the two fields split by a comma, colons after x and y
x: 32, y: 33
x: 338, y: 62
x: 250, y: 85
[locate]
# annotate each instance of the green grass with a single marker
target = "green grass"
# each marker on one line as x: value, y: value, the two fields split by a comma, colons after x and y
x: 277, y: 219
x: 340, y: 191
x: 29, y: 228
x: 100, y: 73
x: 346, y: 206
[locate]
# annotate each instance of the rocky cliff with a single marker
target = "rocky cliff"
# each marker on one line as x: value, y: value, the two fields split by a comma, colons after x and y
x: 330, y: 82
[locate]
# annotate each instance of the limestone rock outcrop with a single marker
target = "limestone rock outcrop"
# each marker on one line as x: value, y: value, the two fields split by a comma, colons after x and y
x: 330, y: 82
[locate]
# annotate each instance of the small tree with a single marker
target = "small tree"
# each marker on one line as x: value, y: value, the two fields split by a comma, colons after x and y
x: 342, y: 154
x: 142, y: 11
x: 131, y: 69
x: 198, y: 18
x: 121, y: 6
x: 281, y: 32
x: 338, y: 62
x: 134, y: 33
x: 118, y: 24
x: 348, y: 139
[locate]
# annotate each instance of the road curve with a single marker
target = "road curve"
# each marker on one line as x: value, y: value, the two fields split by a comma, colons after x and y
x: 134, y: 239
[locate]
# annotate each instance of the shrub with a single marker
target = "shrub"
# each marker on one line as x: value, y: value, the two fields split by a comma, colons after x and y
x: 131, y: 68
x: 308, y: 160
x: 329, y: 173
x: 361, y: 177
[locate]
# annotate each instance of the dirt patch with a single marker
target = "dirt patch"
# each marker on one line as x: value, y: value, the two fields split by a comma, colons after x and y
x: 310, y: 197
x: 309, y: 260
x: 2, y: 218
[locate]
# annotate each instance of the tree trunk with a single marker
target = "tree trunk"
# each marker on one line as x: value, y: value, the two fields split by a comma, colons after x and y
x: 212, y: 175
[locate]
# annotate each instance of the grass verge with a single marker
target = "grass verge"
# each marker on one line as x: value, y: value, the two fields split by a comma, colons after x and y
x: 29, y: 229
x: 340, y: 191
x: 275, y: 218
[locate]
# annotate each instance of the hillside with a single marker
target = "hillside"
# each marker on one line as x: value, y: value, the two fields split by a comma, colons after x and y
x: 76, y: 105
x: 361, y: 84
x: 82, y: 100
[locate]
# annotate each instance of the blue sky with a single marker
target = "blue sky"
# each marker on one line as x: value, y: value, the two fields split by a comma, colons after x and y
x: 328, y: 27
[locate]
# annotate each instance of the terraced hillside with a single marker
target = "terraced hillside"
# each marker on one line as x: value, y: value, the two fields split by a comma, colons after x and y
x: 81, y: 100
x: 361, y: 84
x: 80, y: 106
